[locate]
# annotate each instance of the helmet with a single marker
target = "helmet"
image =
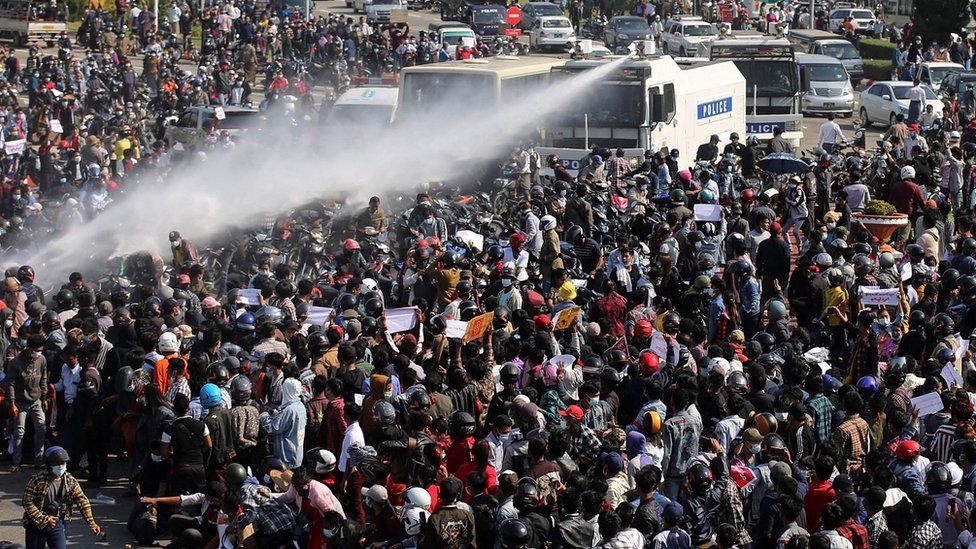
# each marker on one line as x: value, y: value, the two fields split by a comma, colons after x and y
x: 383, y: 413
x: 574, y: 234
x: 55, y: 455
x: 741, y: 268
x: 677, y: 196
x: 210, y: 396
x: 898, y: 369
x: 699, y: 477
x: 25, y: 274
x: 938, y: 478
x: 219, y: 374
x: 969, y: 246
x: 65, y: 299
x: 907, y: 449
x: 945, y: 356
x: 617, y: 358
x: 240, y: 390
x: 915, y: 251
x: 350, y: 245
x: 823, y: 260
x: 317, y: 343
x: 966, y: 284
x: 547, y: 222
x: 773, y: 441
x: 285, y: 288
x: 496, y: 253
x: 766, y: 423
x: 514, y: 534
x: 347, y: 301
x: 835, y: 277
x: 886, y: 260
x: 269, y: 313
x: 468, y: 310
x: 917, y: 318
x: 702, y: 282
x: 776, y: 310
x: 908, y: 172
x: 437, y: 324
x: 235, y: 475
x: 464, y: 287
x: 245, y: 322
x: 651, y: 422
x: 419, y: 400
x: 867, y: 386
x: 944, y: 324
x: 373, y: 306
x: 418, y: 497
x: 325, y: 461
x: 765, y: 340
x: 526, y: 495
x: 414, y: 519
x: 510, y: 372
x: 737, y: 382
x: 610, y: 377
x: 592, y: 364
x: 862, y: 264
x: 450, y: 258
x: 461, y: 424
x: 748, y: 195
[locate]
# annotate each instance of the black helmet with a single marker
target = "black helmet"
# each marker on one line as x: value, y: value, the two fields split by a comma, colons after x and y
x: 949, y: 280
x: 915, y: 251
x: 514, y: 534
x: 526, y: 495
x: 347, y: 301
x: 369, y: 324
x: 56, y: 455
x: 464, y: 287
x: 461, y: 424
x: 285, y: 288
x: 969, y: 246
x: 592, y: 365
x: 737, y: 382
x: 898, y: 369
x: 938, y: 479
x: 967, y: 285
x: 419, y: 400
x: 50, y: 320
x: 610, y: 377
x: 65, y: 299
x: 699, y: 477
x: 468, y: 310
x: 862, y: 264
x: 773, y: 441
x: 25, y: 274
x: 437, y: 324
x: 617, y: 359
x: 509, y: 373
x: 944, y: 325
x: 218, y: 373
x: 916, y: 318
x: 765, y: 340
x: 677, y: 196
x: 235, y: 475
x: 317, y: 343
x: 574, y: 234
x: 861, y: 248
x: 240, y: 390
x: 373, y: 306
x: 383, y: 413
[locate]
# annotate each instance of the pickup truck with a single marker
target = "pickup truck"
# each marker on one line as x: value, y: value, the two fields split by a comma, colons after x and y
x: 191, y: 126
x: 682, y: 35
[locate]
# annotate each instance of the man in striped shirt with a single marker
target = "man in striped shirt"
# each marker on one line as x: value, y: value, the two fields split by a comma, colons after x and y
x: 852, y: 435
x: 819, y: 406
x: 940, y: 444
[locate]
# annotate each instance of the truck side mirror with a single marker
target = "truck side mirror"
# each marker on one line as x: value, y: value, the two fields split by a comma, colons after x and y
x: 658, y: 113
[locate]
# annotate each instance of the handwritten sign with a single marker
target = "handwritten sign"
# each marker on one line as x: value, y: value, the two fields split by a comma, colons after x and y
x: 566, y: 317
x: 889, y: 296
x: 471, y: 239
x: 251, y: 296
x: 477, y: 326
x: 708, y: 212
x: 659, y: 345
x: 219, y: 113
x: 56, y: 126
x: 929, y: 403
x: 319, y: 316
x: 456, y: 329
x: 15, y: 147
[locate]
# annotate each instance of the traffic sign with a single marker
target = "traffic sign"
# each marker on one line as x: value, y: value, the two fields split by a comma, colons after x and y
x: 513, y: 15
x: 513, y: 32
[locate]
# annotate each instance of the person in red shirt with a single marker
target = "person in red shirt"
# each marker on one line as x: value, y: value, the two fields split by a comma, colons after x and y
x: 820, y: 492
x: 906, y: 197
x: 481, y: 452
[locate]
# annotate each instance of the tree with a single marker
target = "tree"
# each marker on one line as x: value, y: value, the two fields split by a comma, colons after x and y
x: 935, y: 19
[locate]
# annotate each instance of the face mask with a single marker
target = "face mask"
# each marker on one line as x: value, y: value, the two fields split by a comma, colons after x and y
x: 328, y: 533
x: 781, y: 416
x: 267, y: 479
x: 59, y: 470
x: 16, y: 197
x: 755, y: 449
x: 156, y: 458
x: 174, y: 243
x: 387, y: 395
x: 562, y: 193
x: 831, y: 225
x: 728, y: 169
x: 594, y: 401
x: 264, y: 272
x: 504, y: 438
x: 506, y: 282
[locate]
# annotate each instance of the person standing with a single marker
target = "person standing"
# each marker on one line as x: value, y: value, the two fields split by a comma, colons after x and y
x: 830, y: 134
x: 27, y: 382
x: 48, y: 501
x: 916, y: 101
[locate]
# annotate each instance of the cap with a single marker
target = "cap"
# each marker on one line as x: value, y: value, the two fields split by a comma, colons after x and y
x: 752, y: 435
x: 612, y: 461
x: 168, y: 343
x: 673, y: 512
x: 209, y: 303
x: 527, y: 411
x: 779, y: 470
x: 567, y: 291
x: 643, y: 328
x: 376, y: 493
x: 737, y: 336
x: 542, y: 322
x: 593, y: 329
x: 350, y: 313
x: 775, y: 227
x: 573, y: 411
x: 842, y: 482
x: 280, y: 479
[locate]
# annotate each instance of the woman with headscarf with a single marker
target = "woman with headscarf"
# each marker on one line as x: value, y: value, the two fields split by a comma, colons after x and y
x: 287, y: 426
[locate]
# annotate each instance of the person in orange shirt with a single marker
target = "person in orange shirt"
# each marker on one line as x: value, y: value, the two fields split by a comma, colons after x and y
x: 168, y: 346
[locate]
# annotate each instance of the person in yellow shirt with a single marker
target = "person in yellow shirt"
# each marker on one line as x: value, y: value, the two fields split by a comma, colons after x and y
x: 125, y: 142
x: 836, y: 303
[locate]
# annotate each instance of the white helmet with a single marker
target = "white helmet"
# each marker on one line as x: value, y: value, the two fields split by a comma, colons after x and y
x: 414, y: 519
x: 719, y: 364
x: 908, y: 172
x: 326, y: 462
x: 418, y: 497
x: 547, y: 222
x: 370, y: 285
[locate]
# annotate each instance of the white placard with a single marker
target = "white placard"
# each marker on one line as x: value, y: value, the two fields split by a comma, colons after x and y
x: 251, y: 296
x: 659, y: 345
x: 471, y: 239
x: 219, y: 113
x: 56, y: 126
x: 951, y: 376
x: 358, y: 399
x: 319, y: 316
x: 708, y: 212
x: 401, y: 320
x: 15, y: 147
x: 929, y: 403
x: 889, y: 296
x: 456, y: 329
x: 961, y: 349
x: 566, y: 361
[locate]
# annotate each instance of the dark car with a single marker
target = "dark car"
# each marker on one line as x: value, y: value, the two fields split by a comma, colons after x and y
x: 624, y: 29
x: 534, y: 10
x: 487, y: 20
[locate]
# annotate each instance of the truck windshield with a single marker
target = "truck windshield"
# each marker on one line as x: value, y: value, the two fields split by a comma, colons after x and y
x: 609, y: 105
x: 827, y: 73
x: 490, y: 15
x: 772, y: 78
x: 841, y: 51
x: 454, y: 38
x: 938, y: 74
x: 437, y: 89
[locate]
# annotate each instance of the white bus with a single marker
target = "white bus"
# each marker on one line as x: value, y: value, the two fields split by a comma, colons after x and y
x: 28, y: 22
x: 483, y: 82
x: 648, y: 104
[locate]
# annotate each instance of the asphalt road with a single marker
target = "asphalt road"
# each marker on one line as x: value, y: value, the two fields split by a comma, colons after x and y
x: 112, y: 517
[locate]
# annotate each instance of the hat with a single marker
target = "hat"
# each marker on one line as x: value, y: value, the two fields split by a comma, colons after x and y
x: 842, y: 483
x: 955, y: 473
x: 376, y: 493
x: 572, y: 411
x: 168, y: 343
x: 593, y: 329
x: 353, y: 326
x: 542, y: 322
x: 779, y: 470
x: 737, y: 336
x: 280, y: 479
x: 183, y: 279
x: 643, y: 328
x: 567, y: 291
x: 350, y: 313
x: 209, y: 303
x: 775, y: 227
x: 527, y: 411
x: 752, y: 435
x: 613, y: 462
x: 673, y: 512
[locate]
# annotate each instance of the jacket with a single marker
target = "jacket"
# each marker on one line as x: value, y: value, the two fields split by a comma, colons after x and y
x: 287, y: 426
x: 680, y: 436
x: 36, y: 491
x: 27, y: 375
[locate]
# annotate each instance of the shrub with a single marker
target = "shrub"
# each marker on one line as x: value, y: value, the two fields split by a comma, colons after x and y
x: 876, y: 69
x: 875, y: 48
x: 879, y: 207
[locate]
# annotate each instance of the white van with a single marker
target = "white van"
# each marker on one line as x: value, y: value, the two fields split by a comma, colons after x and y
x: 369, y: 106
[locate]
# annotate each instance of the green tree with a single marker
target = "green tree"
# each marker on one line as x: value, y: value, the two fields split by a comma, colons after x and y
x: 935, y: 19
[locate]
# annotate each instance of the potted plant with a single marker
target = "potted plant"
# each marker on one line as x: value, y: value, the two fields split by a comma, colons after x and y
x: 881, y: 218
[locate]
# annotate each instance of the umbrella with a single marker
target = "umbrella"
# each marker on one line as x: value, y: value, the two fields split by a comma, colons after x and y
x: 782, y: 163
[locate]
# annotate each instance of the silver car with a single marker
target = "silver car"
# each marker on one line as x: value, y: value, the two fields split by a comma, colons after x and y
x: 830, y: 85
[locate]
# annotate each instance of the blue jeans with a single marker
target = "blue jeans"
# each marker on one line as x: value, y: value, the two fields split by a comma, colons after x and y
x: 52, y: 538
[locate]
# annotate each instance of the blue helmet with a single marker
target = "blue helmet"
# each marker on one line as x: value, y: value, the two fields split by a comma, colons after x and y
x: 867, y: 386
x: 210, y: 396
x: 245, y: 322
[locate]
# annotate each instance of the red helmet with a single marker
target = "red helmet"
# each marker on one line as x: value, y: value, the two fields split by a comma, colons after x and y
x: 907, y: 449
x: 434, y: 242
x: 748, y: 195
x: 516, y: 238
x: 350, y: 244
x: 650, y: 363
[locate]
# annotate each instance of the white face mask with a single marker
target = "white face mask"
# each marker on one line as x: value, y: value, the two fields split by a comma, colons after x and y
x: 59, y: 470
x: 156, y: 457
x: 174, y: 243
